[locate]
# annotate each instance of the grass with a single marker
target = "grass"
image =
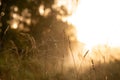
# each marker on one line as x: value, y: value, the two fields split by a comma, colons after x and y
x: 20, y: 59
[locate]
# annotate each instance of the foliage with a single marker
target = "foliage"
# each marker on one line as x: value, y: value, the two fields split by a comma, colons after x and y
x: 38, y: 50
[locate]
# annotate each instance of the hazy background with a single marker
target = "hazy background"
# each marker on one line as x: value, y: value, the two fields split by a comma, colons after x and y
x: 59, y: 40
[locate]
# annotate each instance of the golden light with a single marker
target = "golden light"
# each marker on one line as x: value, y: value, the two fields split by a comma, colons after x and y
x: 97, y: 22
x: 15, y: 8
x: 44, y: 11
x: 69, y: 5
x: 14, y: 25
x: 41, y: 10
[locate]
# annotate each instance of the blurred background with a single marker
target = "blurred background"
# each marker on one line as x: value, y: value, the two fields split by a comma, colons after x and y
x: 59, y: 40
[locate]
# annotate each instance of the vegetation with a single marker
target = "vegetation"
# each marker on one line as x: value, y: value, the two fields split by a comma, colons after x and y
x: 34, y: 46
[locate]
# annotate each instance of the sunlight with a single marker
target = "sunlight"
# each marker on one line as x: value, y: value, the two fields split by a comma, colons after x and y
x: 97, y: 22
x: 14, y: 25
x: 44, y: 11
x: 41, y: 10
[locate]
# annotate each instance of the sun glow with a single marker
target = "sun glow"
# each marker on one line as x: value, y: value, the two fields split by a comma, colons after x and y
x: 97, y: 22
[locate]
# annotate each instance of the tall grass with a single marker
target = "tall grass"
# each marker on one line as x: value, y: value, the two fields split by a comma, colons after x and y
x: 21, y: 59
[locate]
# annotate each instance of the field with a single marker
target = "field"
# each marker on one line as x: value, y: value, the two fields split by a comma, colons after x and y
x: 56, y: 61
